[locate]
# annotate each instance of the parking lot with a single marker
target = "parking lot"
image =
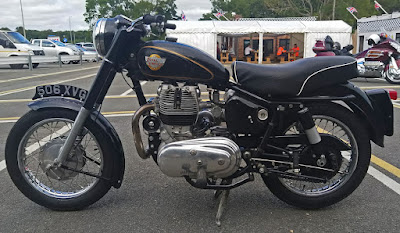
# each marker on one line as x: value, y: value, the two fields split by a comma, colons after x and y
x: 149, y: 201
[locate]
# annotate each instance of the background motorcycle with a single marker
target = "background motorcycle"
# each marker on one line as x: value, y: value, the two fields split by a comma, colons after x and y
x: 382, y: 60
x: 300, y: 125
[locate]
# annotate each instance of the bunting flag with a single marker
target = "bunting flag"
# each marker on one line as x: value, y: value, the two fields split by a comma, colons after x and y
x: 351, y: 9
x: 183, y: 16
x: 379, y: 6
x: 218, y: 14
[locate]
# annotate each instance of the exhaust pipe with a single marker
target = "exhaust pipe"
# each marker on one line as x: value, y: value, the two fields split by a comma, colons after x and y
x: 137, y: 137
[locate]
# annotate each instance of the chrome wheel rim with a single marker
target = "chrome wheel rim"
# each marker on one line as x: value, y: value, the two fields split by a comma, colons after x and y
x: 36, y: 147
x: 392, y: 77
x: 334, y: 127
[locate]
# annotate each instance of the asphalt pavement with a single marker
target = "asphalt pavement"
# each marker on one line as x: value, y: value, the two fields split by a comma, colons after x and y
x: 149, y: 201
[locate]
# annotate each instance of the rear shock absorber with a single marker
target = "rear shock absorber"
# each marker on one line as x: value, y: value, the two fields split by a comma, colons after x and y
x: 309, y: 127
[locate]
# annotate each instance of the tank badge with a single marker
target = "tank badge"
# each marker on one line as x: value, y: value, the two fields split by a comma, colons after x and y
x: 154, y: 61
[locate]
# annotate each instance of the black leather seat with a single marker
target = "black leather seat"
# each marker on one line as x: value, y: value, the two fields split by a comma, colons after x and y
x: 296, y: 78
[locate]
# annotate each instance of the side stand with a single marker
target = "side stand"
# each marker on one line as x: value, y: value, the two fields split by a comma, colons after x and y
x: 222, y: 202
x: 221, y: 206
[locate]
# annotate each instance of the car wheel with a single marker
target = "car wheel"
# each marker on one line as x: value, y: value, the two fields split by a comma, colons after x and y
x: 16, y: 66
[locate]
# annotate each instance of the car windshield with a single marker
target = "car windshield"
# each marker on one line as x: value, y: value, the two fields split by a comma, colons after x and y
x: 17, y: 38
x: 59, y: 43
x: 88, y: 45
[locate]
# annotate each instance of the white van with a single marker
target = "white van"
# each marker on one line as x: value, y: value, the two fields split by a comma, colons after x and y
x: 14, y: 44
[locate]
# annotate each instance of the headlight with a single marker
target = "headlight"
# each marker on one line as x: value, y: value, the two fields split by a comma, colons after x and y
x: 103, y: 34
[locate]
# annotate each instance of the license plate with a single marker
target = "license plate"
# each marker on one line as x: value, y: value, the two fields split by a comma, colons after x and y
x: 60, y: 90
x: 372, y: 63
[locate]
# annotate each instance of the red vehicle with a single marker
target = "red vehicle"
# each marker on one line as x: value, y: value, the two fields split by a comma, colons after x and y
x: 381, y: 60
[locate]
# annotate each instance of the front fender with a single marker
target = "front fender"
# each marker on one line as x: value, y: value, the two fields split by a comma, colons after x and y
x: 102, y: 122
x: 373, y: 106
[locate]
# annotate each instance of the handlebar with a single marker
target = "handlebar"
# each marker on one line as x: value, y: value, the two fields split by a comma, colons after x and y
x: 169, y: 26
x: 149, y: 19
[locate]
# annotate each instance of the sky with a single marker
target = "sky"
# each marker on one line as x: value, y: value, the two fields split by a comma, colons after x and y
x: 55, y: 14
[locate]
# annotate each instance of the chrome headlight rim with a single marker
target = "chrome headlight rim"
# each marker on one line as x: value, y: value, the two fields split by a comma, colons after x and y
x: 103, y: 35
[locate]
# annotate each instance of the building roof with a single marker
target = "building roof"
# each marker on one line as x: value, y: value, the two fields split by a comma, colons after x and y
x: 388, y: 22
x: 310, y: 18
x: 246, y: 27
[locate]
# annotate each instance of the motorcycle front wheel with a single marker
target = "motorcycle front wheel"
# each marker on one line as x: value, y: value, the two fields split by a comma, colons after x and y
x: 391, y: 77
x: 33, y: 144
x: 350, y: 166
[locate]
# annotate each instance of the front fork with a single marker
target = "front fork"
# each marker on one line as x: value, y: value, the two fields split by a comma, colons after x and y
x: 95, y: 97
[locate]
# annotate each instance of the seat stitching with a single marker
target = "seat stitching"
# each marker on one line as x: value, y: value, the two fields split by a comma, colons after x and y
x: 331, y: 67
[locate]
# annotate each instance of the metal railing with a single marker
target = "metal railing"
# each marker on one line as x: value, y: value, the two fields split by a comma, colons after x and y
x: 60, y: 59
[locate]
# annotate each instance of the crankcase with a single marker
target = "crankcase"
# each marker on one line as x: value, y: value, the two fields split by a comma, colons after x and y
x: 219, y: 157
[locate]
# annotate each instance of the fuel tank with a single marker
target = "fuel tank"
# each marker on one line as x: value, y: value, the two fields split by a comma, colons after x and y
x: 176, y: 62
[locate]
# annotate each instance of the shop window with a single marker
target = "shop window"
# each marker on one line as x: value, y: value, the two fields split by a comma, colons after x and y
x: 284, y: 42
x: 398, y: 37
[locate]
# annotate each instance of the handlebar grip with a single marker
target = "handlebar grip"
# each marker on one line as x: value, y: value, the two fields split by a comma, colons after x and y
x: 169, y: 26
x: 148, y: 19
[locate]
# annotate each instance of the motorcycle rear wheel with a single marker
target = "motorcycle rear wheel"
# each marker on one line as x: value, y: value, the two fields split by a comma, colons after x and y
x: 310, y: 195
x: 32, y: 145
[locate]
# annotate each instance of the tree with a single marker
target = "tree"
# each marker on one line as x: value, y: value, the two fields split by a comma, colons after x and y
x: 5, y: 29
x: 96, y: 9
x: 245, y: 8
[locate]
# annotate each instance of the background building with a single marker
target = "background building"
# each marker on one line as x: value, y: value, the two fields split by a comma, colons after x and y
x: 265, y: 35
x: 387, y: 23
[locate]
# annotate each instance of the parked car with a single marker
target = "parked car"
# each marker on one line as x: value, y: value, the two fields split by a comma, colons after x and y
x: 15, y: 44
x: 87, y: 45
x: 83, y: 51
x: 54, y: 48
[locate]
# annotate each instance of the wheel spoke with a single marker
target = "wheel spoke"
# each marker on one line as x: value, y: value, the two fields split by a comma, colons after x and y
x: 40, y: 147
x: 334, y: 127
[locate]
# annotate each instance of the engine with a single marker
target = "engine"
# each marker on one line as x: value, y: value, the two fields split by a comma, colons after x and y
x: 177, y: 108
x: 185, y: 135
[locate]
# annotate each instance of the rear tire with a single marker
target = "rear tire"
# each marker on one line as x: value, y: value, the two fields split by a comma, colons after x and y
x: 35, y: 65
x: 346, y: 185
x: 72, y: 191
x: 17, y: 66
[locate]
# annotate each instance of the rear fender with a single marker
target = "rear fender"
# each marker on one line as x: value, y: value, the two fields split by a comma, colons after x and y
x: 374, y: 107
x: 103, y: 124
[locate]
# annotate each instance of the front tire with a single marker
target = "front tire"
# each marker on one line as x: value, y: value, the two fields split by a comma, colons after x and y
x: 391, y: 77
x: 325, y: 194
x: 34, y: 142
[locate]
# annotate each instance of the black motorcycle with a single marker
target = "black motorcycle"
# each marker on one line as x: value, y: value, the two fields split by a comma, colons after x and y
x: 302, y: 126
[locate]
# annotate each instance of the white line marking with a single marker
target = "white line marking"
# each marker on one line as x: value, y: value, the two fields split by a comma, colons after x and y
x: 131, y: 90
x: 2, y: 165
x: 390, y: 183
x: 33, y: 87
x: 30, y: 149
x: 44, y: 75
x: 126, y: 92
x: 8, y: 121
